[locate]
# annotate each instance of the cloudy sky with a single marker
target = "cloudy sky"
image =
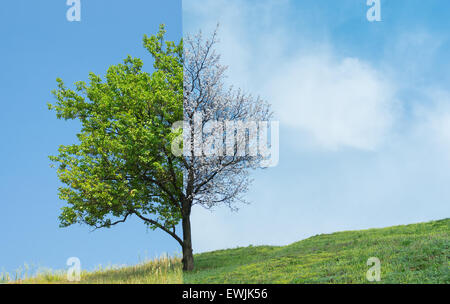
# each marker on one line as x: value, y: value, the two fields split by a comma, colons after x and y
x: 364, y: 111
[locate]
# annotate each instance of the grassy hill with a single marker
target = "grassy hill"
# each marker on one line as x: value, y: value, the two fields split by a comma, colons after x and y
x: 416, y: 253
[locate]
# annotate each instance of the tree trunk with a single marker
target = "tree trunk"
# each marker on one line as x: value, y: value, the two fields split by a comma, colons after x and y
x: 188, y: 257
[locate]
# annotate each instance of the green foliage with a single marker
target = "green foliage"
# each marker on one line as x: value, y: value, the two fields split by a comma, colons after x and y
x: 123, y: 163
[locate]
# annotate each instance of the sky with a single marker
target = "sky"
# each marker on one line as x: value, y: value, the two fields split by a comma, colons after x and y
x: 38, y: 45
x: 364, y: 112
x: 363, y: 107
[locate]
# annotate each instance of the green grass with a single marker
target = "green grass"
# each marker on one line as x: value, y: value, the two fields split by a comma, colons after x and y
x: 416, y: 253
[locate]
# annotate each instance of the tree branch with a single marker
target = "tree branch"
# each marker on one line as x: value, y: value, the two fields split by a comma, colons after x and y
x: 171, y: 233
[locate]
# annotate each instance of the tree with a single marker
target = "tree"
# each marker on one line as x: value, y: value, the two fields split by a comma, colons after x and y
x: 125, y: 163
x: 216, y: 172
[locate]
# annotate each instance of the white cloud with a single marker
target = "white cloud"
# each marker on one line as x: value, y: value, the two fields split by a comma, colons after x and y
x: 340, y: 102
x: 337, y: 102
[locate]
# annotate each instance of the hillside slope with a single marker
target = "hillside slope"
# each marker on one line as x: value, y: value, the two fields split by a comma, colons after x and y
x: 416, y: 253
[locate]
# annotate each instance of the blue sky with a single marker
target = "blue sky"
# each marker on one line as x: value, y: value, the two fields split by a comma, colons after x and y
x: 364, y: 111
x: 38, y: 45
